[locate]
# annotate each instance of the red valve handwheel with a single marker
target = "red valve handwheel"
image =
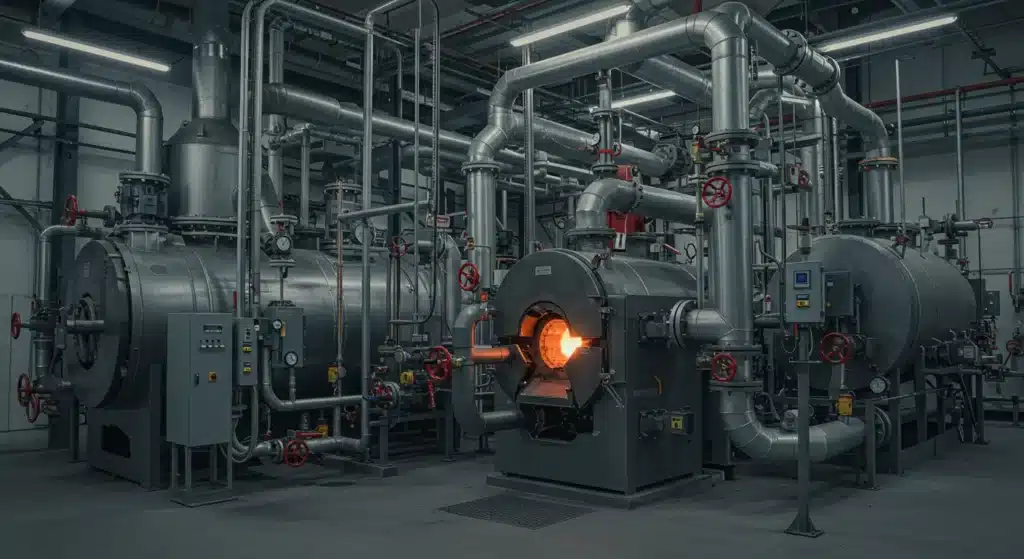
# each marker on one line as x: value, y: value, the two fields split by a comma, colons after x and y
x: 723, y: 367
x: 441, y: 368
x: 836, y: 348
x: 71, y: 212
x: 716, y: 192
x: 399, y: 247
x: 296, y: 452
x: 16, y: 325
x: 804, y: 179
x: 33, y: 409
x: 1013, y: 347
x: 469, y: 277
x: 24, y: 390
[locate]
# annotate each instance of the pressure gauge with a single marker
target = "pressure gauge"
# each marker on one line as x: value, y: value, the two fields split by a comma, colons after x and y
x: 283, y: 243
x: 291, y: 359
x: 879, y: 385
x: 362, y: 233
x: 595, y: 140
x: 696, y: 130
x: 277, y: 324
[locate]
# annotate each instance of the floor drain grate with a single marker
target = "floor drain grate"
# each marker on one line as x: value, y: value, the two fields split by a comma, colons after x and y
x: 517, y: 511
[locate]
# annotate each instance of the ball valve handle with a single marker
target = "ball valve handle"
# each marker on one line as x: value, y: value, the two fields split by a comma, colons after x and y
x: 440, y: 367
x: 716, y: 192
x: 836, y: 348
x: 24, y: 390
x: 398, y: 246
x: 296, y: 452
x: 71, y: 211
x: 1013, y: 347
x: 723, y: 367
x: 469, y: 277
x: 16, y: 325
x: 803, y: 179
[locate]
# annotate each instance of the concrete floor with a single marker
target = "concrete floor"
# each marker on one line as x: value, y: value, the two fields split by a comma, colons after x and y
x: 963, y: 505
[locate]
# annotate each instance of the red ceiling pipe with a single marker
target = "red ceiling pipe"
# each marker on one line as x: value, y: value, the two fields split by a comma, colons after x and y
x: 946, y: 92
x: 493, y: 17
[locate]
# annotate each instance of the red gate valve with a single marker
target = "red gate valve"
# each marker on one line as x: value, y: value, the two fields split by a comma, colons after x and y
x: 716, y: 192
x: 1013, y: 347
x: 723, y: 367
x: 469, y: 277
x: 803, y: 179
x: 439, y: 366
x: 33, y: 409
x: 836, y: 348
x: 296, y: 452
x: 16, y: 325
x: 398, y: 246
x: 71, y: 211
x: 24, y: 390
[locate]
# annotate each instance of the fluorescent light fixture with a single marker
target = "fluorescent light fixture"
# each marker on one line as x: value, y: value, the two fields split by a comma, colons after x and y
x: 916, y: 27
x: 570, y: 25
x: 94, y: 50
x: 640, y: 99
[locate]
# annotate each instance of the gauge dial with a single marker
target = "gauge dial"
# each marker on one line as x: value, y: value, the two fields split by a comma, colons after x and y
x: 696, y: 130
x: 277, y: 324
x: 291, y: 359
x: 878, y: 385
x: 283, y: 243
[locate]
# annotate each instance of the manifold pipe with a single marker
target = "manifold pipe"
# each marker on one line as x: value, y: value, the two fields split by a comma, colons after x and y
x: 303, y: 404
x: 326, y: 111
x: 566, y: 141
x: 790, y: 54
x: 473, y: 421
x: 710, y: 29
x: 149, y: 119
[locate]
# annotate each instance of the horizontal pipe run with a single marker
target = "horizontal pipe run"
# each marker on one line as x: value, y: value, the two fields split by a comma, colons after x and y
x: 377, y: 211
x: 148, y: 112
x: 605, y: 195
x: 306, y: 404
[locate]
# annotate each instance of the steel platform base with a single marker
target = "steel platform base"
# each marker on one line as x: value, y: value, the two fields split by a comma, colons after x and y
x: 350, y: 465
x: 675, y: 488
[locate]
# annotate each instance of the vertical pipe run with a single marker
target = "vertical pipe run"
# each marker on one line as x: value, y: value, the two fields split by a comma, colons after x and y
x: 416, y: 161
x: 304, y: 182
x: 899, y: 132
x: 961, y: 201
x: 242, y: 291
x: 530, y: 196
x: 838, y: 192
x: 275, y: 123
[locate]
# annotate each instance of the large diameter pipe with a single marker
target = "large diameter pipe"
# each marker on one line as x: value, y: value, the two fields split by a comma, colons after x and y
x: 275, y: 123
x: 149, y: 120
x: 605, y: 195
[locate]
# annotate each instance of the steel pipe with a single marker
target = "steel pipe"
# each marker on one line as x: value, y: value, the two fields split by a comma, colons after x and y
x: 605, y: 195
x: 472, y: 420
x: 149, y: 120
x: 368, y: 212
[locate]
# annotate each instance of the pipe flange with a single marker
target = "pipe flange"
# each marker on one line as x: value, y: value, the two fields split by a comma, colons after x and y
x: 752, y: 386
x: 142, y: 177
x: 748, y: 166
x: 606, y: 232
x: 680, y: 162
x: 604, y: 169
x: 677, y: 319
x: 724, y: 139
x: 878, y: 163
x: 638, y: 189
x: 598, y: 113
x: 471, y: 166
x: 132, y: 227
x: 883, y: 427
x: 832, y: 81
x: 799, y: 57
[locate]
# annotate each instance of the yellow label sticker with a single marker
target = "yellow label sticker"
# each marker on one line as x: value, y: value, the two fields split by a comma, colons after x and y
x: 407, y: 378
x: 322, y: 429
x: 677, y: 422
x: 844, y: 406
x: 332, y: 374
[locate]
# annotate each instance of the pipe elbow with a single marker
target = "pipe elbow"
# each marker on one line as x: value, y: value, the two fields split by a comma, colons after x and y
x: 726, y: 22
x: 144, y: 101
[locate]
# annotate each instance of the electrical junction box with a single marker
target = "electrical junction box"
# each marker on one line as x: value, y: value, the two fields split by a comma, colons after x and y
x: 805, y: 293
x: 287, y: 326
x: 246, y: 351
x: 198, y: 379
x: 838, y: 295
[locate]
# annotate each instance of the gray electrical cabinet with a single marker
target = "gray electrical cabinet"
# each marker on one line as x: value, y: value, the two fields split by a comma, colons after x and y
x: 805, y: 293
x: 199, y: 367
x: 287, y: 326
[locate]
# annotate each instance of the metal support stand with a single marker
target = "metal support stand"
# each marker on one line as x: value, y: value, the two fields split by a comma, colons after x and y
x: 802, y: 525
x: 449, y: 429
x: 214, y: 492
x: 979, y: 410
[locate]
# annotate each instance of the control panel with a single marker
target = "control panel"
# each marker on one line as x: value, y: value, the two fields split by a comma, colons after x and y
x: 805, y: 293
x: 246, y: 351
x: 198, y: 379
x: 287, y: 326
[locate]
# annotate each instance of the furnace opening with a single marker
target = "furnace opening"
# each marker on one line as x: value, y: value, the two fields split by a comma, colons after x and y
x: 556, y: 343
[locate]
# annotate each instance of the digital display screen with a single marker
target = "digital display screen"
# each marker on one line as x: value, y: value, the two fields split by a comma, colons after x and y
x: 802, y: 278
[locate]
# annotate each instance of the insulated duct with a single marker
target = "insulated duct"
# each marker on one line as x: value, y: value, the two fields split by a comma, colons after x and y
x: 148, y: 113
